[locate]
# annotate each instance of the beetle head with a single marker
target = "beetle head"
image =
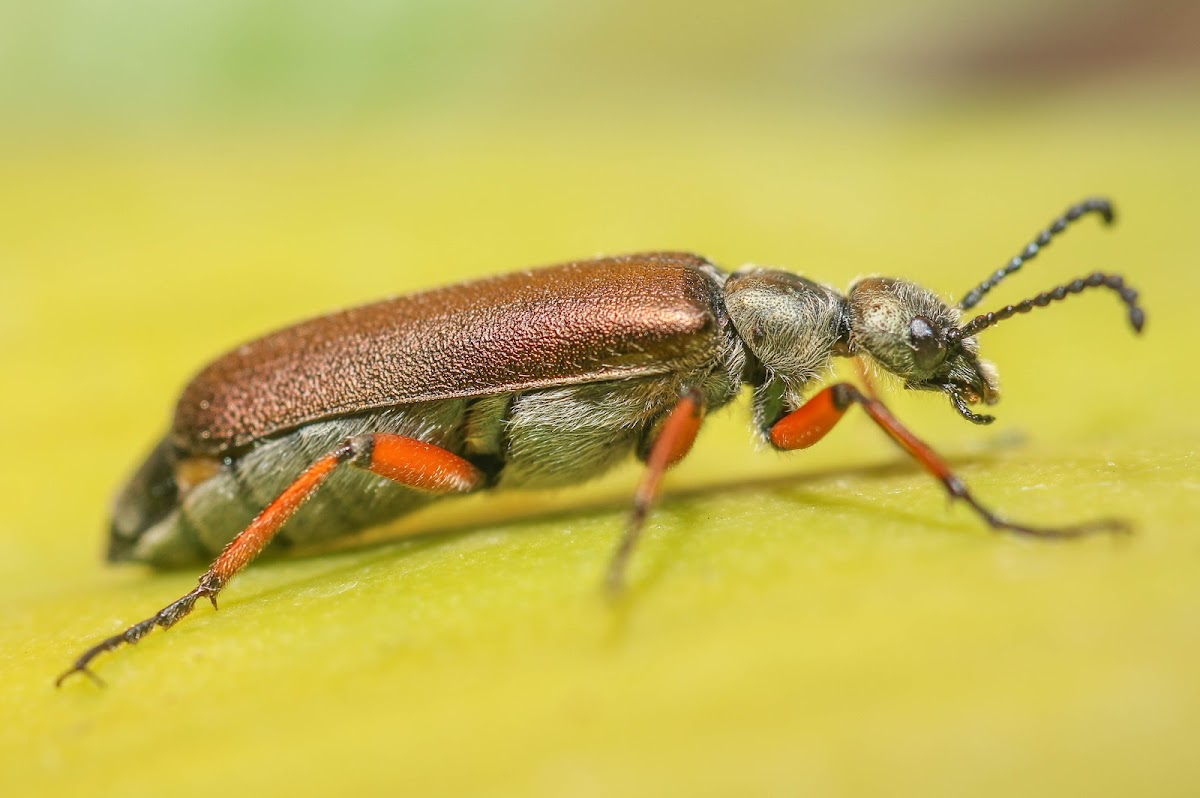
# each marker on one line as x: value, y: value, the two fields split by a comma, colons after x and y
x: 913, y: 334
x: 792, y: 325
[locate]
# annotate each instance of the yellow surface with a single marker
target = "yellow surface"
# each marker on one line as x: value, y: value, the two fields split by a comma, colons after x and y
x: 817, y: 623
x: 812, y: 622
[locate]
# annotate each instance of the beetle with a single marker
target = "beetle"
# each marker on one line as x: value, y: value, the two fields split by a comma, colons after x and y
x: 542, y: 378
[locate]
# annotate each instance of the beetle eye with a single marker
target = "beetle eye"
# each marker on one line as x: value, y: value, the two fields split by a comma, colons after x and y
x: 927, y: 345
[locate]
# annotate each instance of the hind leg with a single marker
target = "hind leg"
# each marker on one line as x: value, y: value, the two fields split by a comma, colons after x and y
x: 406, y: 461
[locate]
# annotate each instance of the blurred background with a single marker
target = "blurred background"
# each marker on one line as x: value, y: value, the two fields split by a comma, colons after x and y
x: 178, y: 177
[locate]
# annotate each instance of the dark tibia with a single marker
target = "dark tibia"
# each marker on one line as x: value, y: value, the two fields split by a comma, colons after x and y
x: 167, y: 617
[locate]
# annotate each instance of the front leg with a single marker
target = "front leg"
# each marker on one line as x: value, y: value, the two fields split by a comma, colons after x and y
x: 810, y: 423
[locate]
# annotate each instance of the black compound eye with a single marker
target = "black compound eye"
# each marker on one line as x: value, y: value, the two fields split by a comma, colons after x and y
x: 927, y: 345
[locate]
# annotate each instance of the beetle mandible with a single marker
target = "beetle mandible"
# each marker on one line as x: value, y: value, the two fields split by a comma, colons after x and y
x: 542, y: 378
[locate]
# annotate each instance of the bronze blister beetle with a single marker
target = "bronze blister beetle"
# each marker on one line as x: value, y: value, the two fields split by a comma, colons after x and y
x: 537, y: 379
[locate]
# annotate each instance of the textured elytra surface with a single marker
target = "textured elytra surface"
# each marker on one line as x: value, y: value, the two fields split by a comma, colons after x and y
x: 579, y: 322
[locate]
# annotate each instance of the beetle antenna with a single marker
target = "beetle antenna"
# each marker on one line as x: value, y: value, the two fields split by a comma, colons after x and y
x: 1137, y: 317
x: 1094, y: 205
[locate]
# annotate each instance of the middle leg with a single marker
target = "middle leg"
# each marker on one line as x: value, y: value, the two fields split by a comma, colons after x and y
x: 675, y: 438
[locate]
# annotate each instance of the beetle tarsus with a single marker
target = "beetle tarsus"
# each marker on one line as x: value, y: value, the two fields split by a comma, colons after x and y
x: 85, y: 670
x: 1116, y: 526
x: 167, y: 617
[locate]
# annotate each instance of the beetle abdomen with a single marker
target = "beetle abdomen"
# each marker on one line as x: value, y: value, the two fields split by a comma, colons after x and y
x: 538, y: 439
x: 202, y: 519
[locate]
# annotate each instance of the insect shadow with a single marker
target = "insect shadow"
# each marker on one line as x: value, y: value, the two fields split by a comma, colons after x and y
x: 418, y: 535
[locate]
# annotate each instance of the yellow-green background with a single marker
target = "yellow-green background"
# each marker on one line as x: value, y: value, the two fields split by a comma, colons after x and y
x: 177, y: 177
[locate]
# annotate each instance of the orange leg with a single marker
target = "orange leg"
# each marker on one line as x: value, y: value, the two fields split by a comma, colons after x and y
x: 407, y: 461
x: 807, y: 425
x: 674, y: 441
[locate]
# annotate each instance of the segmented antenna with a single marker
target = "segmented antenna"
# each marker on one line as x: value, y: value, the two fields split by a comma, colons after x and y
x: 1137, y: 317
x: 1094, y: 205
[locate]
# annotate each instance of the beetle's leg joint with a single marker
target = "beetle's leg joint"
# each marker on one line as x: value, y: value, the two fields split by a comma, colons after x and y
x: 210, y: 585
x: 844, y: 394
x: 357, y: 450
